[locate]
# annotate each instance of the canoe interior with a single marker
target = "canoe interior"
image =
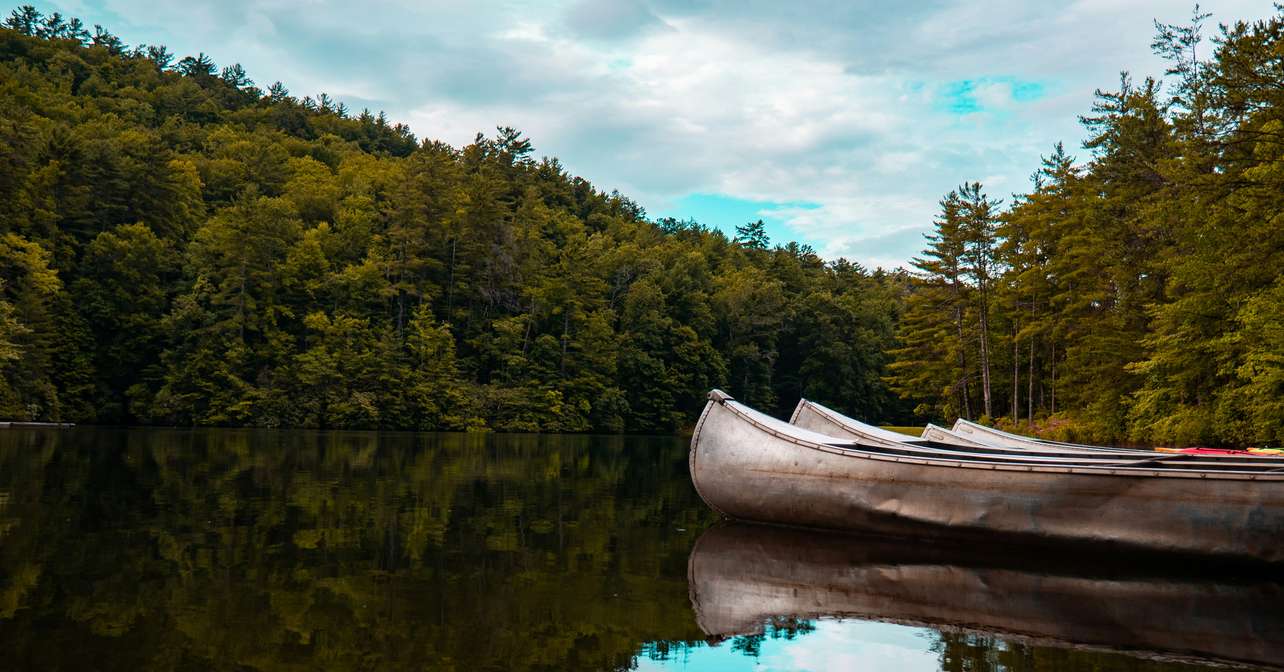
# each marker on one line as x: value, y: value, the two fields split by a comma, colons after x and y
x: 975, y: 453
x: 811, y: 415
x: 980, y: 432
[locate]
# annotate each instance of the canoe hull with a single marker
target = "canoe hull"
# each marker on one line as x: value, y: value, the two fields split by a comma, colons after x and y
x: 753, y: 471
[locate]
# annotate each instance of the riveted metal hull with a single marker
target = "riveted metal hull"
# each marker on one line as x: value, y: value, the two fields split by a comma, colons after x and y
x: 751, y: 467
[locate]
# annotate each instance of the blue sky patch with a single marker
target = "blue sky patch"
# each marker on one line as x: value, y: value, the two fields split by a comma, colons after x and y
x: 725, y: 213
x: 959, y: 96
x: 1024, y: 92
x: 831, y: 644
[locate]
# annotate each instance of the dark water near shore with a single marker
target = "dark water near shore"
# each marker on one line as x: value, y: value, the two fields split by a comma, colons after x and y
x: 258, y: 550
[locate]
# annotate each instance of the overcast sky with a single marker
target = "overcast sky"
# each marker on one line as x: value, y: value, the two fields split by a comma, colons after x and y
x: 839, y: 123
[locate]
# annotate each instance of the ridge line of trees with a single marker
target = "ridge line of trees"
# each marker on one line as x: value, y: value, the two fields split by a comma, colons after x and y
x: 179, y: 246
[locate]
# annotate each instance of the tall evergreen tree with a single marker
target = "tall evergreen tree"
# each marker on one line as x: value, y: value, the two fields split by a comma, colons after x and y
x: 932, y: 363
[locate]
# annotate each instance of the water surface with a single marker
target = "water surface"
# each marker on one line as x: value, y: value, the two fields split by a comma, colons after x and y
x: 265, y: 550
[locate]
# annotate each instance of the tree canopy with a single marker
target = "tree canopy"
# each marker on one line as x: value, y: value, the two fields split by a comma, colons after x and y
x: 1134, y: 297
x: 181, y: 246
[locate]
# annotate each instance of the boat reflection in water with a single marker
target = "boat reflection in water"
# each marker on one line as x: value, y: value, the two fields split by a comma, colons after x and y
x: 743, y: 576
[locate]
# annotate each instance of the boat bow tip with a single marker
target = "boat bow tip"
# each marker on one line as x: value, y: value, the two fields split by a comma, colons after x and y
x: 802, y: 403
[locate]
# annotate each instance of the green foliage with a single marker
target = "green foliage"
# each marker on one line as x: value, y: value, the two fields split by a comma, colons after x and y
x: 1136, y: 297
x: 182, y: 247
x: 30, y: 309
x: 753, y: 235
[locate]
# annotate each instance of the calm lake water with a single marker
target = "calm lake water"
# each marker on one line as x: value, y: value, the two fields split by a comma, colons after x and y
x: 260, y: 550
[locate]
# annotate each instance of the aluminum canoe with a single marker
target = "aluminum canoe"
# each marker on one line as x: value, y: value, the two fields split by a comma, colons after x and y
x: 979, y: 434
x: 989, y: 435
x: 816, y: 417
x: 750, y: 466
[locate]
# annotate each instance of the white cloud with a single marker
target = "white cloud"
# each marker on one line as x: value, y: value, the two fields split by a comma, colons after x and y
x: 845, y: 105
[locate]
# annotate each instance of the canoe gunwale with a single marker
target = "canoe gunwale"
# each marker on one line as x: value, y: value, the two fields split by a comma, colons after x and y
x: 1010, y: 436
x: 1047, y: 451
x: 852, y: 426
x: 854, y: 449
x: 984, y: 456
x: 997, y: 436
x: 839, y: 421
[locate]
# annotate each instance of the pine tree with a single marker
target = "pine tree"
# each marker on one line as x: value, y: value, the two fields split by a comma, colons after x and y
x: 978, y: 223
x: 931, y: 364
x: 753, y: 235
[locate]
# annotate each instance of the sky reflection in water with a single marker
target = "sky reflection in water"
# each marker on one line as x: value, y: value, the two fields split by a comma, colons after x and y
x: 832, y: 645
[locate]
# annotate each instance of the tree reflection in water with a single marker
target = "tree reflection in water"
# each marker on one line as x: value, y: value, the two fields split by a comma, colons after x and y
x: 230, y: 549
x: 239, y: 549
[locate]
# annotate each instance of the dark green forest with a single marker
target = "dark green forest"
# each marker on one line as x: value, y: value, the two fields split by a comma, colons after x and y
x: 182, y: 246
x: 1135, y: 296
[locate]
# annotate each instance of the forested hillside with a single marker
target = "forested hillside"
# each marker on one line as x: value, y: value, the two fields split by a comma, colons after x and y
x: 1136, y: 294
x: 181, y: 246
